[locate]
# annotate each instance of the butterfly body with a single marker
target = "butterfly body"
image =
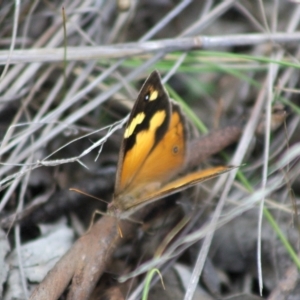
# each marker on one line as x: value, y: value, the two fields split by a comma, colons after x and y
x: 153, y: 153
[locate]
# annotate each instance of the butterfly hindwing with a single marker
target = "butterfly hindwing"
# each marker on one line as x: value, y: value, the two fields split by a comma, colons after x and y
x: 181, y: 183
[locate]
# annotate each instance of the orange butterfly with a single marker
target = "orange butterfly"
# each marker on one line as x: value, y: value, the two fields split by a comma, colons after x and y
x: 154, y: 152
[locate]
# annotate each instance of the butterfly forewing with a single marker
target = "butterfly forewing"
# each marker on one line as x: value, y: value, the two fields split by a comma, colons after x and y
x: 168, y: 157
x: 147, y: 125
x: 164, y: 162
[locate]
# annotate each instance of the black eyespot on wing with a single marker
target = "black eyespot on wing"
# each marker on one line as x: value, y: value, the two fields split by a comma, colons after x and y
x: 175, y: 149
x: 147, y: 97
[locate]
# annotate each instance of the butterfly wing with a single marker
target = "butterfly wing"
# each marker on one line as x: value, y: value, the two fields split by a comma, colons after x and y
x: 164, y: 161
x: 175, y: 186
x: 167, y: 158
x: 148, y: 122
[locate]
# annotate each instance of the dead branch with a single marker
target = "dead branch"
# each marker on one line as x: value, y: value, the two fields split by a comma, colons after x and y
x: 211, y: 144
x: 85, y: 262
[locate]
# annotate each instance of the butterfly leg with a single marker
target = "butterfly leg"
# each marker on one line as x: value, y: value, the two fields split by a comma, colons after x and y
x: 96, y: 212
x: 99, y: 212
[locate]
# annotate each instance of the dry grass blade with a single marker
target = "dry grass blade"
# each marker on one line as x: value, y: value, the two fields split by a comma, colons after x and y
x: 233, y: 63
x: 127, y: 50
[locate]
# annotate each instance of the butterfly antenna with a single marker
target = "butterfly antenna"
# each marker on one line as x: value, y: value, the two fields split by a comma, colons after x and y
x: 86, y: 194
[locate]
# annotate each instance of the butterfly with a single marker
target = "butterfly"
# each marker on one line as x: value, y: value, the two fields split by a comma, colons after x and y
x: 153, y: 152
